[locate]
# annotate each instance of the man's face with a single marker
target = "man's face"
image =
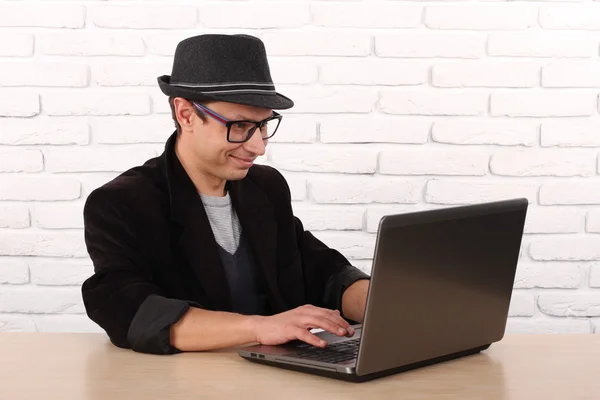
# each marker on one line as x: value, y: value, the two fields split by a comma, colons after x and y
x: 214, y: 154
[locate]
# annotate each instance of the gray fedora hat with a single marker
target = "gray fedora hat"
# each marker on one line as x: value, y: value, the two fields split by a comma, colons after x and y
x: 231, y: 68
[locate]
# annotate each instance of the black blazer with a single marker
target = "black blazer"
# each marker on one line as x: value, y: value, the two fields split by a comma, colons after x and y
x: 155, y: 255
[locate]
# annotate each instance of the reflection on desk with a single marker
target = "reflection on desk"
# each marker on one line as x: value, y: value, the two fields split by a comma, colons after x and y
x: 86, y: 366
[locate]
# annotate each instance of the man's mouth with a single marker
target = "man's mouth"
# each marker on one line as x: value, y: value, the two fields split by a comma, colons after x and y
x: 247, y: 162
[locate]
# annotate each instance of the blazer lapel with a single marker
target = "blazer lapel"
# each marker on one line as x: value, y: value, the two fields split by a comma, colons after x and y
x: 197, y: 242
x: 257, y: 219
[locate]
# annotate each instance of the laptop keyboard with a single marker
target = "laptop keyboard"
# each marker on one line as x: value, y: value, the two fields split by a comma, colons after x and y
x: 333, y: 353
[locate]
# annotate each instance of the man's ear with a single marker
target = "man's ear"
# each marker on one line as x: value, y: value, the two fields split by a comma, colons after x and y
x: 184, y: 112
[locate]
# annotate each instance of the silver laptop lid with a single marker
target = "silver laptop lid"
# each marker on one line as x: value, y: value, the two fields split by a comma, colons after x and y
x: 441, y: 282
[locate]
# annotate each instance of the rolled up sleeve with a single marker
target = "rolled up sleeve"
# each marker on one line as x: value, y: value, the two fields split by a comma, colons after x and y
x: 337, y: 285
x: 149, y: 331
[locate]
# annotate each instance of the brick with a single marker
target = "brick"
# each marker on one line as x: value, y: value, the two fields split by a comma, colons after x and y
x: 512, y: 74
x: 480, y: 131
x: 554, y: 220
x: 480, y: 16
x: 311, y: 158
x: 571, y: 74
x: 430, y: 44
x: 132, y: 129
x: 13, y: 271
x: 15, y: 103
x: 254, y: 15
x: 552, y: 326
x: 545, y: 44
x: 129, y: 74
x: 44, y: 130
x: 96, y: 103
x: 521, y: 305
x: 418, y: 102
x: 373, y: 72
x: 66, y: 323
x: 42, y: 15
x: 595, y: 276
x: 164, y: 44
x: 97, y: 159
x: 472, y: 191
x: 16, y: 44
x: 576, y: 192
x: 571, y: 16
x: 63, y: 244
x: 160, y: 105
x: 331, y: 100
x: 433, y: 162
x: 40, y: 188
x: 297, y: 184
x: 352, y: 245
x: 543, y: 163
x: 143, y: 16
x: 570, y: 304
x: 58, y: 215
x: 30, y: 299
x: 373, y: 129
x: 14, y: 216
x: 593, y: 221
x: 565, y: 248
x: 362, y: 190
x: 313, y: 43
x: 16, y: 323
x: 50, y: 74
x: 363, y: 15
x: 60, y: 272
x: 538, y: 104
x: 548, y: 275
x: 291, y: 70
x: 320, y: 218
x: 90, y: 44
x: 571, y: 133
x: 17, y: 160
x: 296, y: 129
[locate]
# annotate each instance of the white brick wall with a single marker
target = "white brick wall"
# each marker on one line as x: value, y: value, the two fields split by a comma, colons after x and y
x: 16, y: 44
x: 400, y: 106
x: 92, y: 43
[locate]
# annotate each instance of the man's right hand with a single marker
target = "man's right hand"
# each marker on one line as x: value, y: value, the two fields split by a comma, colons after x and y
x: 295, y: 324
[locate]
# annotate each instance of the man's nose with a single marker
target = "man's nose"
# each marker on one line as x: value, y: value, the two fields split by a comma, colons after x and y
x: 256, y: 144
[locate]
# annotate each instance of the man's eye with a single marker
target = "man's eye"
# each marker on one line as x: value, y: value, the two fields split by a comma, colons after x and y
x: 242, y: 125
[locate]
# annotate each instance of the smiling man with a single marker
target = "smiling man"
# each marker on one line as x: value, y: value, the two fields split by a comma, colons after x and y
x: 199, y: 249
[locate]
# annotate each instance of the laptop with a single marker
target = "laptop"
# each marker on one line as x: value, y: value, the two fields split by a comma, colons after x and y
x: 441, y: 286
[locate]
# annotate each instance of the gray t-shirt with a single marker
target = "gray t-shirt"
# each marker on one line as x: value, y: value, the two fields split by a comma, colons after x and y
x: 246, y: 281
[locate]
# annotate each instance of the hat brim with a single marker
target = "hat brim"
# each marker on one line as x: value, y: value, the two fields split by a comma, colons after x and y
x: 275, y: 101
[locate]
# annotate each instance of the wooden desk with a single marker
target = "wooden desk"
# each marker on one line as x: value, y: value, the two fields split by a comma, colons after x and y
x: 86, y: 366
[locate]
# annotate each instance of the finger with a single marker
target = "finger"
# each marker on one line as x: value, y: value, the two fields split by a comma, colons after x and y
x: 337, y: 319
x: 306, y: 336
x: 333, y: 316
x: 323, y: 323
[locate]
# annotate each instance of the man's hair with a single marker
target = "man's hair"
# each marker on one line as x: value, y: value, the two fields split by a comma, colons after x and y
x: 177, y: 126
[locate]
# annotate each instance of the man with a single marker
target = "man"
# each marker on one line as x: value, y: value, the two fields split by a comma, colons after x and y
x: 198, y: 249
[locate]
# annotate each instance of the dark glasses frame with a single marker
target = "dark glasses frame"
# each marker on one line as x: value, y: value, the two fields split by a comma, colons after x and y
x: 229, y: 123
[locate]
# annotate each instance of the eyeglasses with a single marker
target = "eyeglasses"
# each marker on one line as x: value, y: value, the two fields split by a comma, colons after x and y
x: 241, y: 131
